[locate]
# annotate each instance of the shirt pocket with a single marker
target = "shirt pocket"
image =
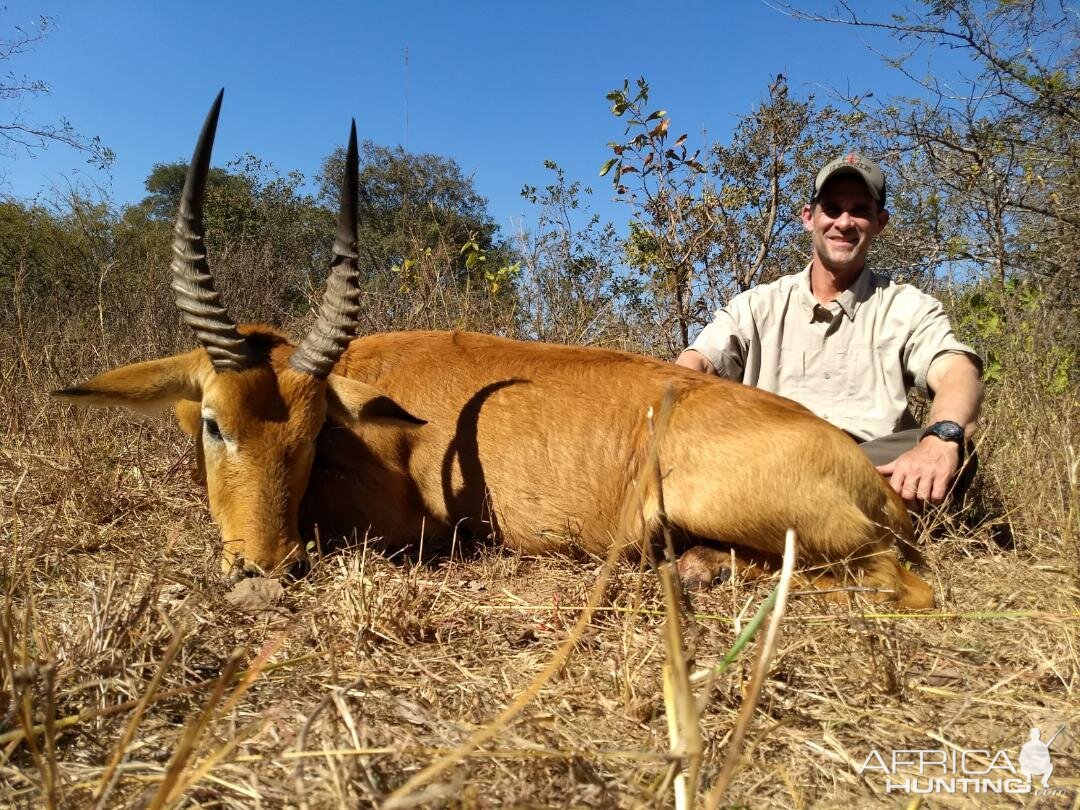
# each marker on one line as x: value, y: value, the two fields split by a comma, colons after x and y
x: 876, y: 392
x: 789, y: 377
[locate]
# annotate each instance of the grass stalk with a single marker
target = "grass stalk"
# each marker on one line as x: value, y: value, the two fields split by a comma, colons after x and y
x: 16, y: 736
x: 105, y: 784
x: 169, y: 788
x: 761, y: 669
x: 400, y: 797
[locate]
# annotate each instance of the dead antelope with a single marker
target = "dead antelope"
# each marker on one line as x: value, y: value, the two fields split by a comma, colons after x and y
x: 539, y: 447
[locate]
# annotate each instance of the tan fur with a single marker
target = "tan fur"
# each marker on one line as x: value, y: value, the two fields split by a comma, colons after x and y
x: 537, y: 446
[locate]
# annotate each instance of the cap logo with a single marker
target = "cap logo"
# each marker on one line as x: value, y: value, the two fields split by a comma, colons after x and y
x: 869, y: 172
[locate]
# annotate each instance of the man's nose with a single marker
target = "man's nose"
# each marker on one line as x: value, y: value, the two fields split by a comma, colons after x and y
x: 843, y: 222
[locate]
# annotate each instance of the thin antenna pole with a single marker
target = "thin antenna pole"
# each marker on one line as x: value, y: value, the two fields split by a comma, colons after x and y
x: 405, y: 179
x: 406, y: 98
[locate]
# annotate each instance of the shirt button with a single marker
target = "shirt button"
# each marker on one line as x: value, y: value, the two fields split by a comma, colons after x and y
x: 827, y: 375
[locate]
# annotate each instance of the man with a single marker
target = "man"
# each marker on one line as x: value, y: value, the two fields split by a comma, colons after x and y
x: 848, y: 343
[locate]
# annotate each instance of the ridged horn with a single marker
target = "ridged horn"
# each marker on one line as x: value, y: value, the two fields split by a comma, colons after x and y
x: 192, y: 283
x: 339, y: 314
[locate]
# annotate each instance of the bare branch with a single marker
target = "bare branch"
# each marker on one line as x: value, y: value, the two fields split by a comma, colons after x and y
x: 17, y: 132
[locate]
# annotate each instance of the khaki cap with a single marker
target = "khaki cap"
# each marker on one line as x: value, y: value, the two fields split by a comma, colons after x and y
x: 860, y: 166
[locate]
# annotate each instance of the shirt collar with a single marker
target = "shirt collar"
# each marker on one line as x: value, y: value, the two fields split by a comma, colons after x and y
x: 849, y: 300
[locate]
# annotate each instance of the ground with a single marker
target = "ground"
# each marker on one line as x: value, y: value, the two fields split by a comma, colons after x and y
x: 122, y: 638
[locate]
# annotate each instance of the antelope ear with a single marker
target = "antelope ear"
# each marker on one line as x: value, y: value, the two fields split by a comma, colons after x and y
x: 189, y: 415
x: 352, y: 401
x: 144, y: 387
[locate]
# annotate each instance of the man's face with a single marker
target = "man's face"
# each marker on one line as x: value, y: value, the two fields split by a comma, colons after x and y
x: 843, y: 223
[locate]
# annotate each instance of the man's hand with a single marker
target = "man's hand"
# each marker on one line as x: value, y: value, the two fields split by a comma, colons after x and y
x: 924, y: 472
x: 695, y: 361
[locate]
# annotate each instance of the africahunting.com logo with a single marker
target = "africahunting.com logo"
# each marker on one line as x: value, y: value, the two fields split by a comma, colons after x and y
x: 959, y: 770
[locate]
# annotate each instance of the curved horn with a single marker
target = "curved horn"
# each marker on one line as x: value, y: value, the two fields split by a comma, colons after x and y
x: 339, y: 314
x: 192, y: 283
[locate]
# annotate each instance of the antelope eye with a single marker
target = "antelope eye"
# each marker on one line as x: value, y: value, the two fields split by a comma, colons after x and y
x: 212, y: 429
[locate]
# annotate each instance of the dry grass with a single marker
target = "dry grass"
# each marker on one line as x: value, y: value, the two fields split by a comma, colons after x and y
x: 129, y: 679
x: 372, y: 668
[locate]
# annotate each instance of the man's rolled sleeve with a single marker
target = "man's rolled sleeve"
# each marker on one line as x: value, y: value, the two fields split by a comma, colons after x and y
x: 931, y: 337
x: 723, y: 344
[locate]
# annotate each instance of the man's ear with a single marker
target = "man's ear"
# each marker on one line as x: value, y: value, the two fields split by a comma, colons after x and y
x: 807, y: 217
x: 144, y: 387
x: 352, y: 401
x: 883, y: 219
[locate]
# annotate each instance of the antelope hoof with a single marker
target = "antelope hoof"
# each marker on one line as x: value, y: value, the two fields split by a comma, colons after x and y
x: 701, y: 567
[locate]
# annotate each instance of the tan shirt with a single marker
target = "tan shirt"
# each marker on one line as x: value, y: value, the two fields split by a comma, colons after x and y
x: 851, y: 362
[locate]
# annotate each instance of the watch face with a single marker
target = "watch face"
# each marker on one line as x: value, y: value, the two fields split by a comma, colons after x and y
x: 949, y: 431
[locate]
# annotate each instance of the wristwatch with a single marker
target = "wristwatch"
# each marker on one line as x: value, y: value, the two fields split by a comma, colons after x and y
x: 946, y: 431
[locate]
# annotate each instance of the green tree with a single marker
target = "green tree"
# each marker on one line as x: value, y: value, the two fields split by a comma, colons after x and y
x: 166, y: 181
x: 702, y: 231
x: 416, y: 203
x: 994, y: 155
x: 763, y: 178
x: 570, y: 290
x: 671, y: 227
x: 269, y: 240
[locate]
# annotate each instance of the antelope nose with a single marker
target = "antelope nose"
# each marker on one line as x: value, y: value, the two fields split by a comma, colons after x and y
x: 234, y: 563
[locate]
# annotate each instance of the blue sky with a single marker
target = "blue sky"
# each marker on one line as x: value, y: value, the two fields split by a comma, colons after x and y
x: 498, y: 86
